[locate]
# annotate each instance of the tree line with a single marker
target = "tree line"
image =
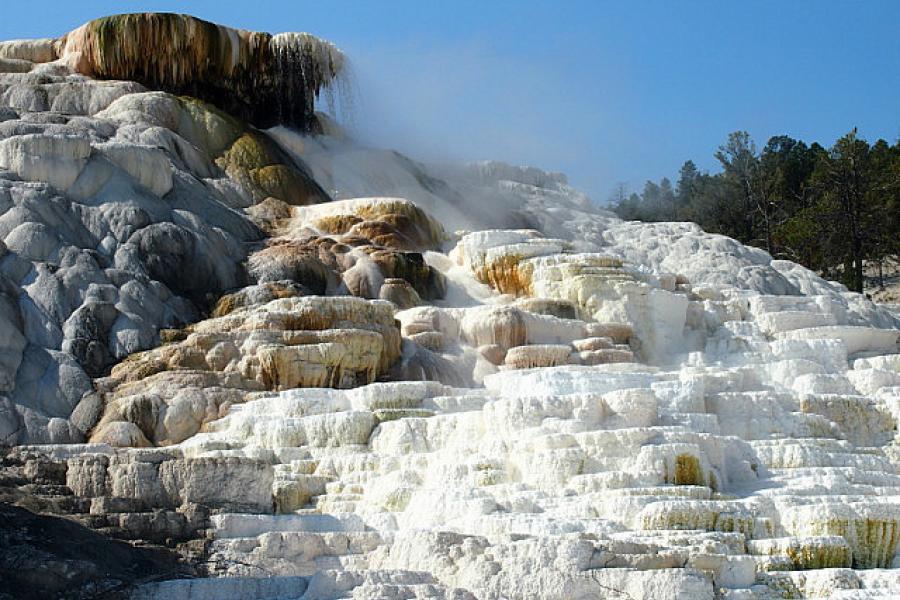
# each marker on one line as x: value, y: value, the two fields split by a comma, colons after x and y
x: 835, y: 210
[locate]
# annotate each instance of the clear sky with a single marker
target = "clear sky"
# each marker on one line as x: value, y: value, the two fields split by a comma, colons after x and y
x: 605, y: 91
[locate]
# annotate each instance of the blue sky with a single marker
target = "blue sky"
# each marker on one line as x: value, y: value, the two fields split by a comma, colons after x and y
x: 605, y: 91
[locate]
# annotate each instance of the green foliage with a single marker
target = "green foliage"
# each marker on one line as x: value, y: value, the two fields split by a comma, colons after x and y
x: 832, y: 210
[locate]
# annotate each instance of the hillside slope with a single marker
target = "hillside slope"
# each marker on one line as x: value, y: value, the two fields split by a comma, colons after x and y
x: 321, y: 370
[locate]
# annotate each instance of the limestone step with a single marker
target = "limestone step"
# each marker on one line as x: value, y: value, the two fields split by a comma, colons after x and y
x: 818, y: 452
x: 224, y: 588
x: 338, y: 487
x: 392, y: 414
x: 332, y: 506
x: 340, y: 497
x: 237, y: 525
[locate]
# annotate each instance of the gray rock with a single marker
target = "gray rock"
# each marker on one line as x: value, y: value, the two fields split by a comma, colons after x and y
x: 115, y: 221
x: 87, y: 413
x: 86, y: 333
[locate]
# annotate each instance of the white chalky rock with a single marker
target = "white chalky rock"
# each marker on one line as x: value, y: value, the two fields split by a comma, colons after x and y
x: 537, y: 355
x: 888, y: 362
x: 148, y: 165
x: 857, y: 338
x: 35, y: 51
x: 54, y: 159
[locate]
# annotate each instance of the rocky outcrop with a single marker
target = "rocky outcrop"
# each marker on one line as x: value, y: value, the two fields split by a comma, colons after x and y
x: 257, y: 77
x: 50, y: 557
x: 354, y: 246
x: 121, y: 212
x: 167, y: 395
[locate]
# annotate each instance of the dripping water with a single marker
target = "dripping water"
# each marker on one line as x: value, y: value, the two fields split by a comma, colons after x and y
x: 305, y: 68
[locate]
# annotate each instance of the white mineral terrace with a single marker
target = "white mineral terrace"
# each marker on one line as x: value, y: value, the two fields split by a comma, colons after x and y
x: 547, y: 402
x: 762, y: 463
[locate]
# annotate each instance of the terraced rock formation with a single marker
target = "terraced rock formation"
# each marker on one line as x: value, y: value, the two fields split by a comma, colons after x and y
x: 427, y: 382
x: 258, y: 77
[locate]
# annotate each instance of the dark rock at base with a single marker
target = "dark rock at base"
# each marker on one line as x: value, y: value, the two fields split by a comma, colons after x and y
x: 43, y: 557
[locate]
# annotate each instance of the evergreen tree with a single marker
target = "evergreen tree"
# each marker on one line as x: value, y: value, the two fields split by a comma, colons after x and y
x: 686, y: 187
x: 784, y: 167
x: 834, y: 210
x: 668, y: 206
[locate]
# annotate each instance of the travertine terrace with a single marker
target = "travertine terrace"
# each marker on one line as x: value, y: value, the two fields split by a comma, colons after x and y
x: 318, y: 370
